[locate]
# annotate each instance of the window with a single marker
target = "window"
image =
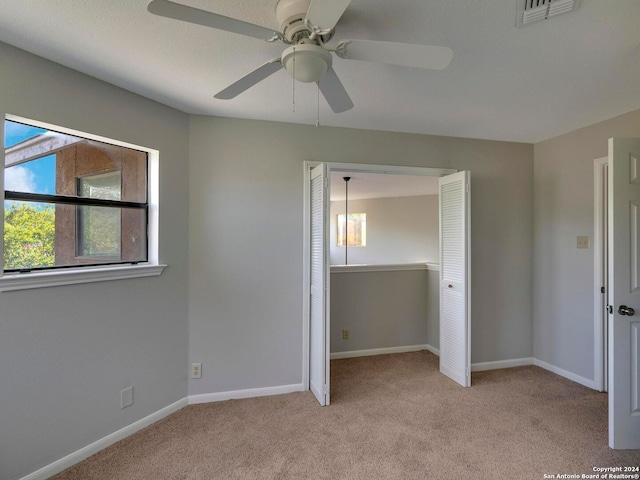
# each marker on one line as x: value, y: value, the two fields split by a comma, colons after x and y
x: 355, y: 235
x: 72, y: 201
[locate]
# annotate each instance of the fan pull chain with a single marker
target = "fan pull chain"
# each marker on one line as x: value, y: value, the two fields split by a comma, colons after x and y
x: 318, y: 104
x: 293, y: 101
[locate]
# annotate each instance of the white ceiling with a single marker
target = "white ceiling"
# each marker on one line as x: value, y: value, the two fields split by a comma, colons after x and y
x: 364, y: 185
x: 519, y: 84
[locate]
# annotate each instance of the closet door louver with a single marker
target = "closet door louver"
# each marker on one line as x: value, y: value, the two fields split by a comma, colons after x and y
x: 455, y: 274
x: 319, y: 321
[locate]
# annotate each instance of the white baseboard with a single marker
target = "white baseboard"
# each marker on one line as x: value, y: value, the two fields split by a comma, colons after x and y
x: 433, y: 350
x: 563, y: 373
x: 496, y: 365
x: 514, y: 362
x: 520, y: 362
x: 246, y: 393
x: 377, y: 351
x: 85, y: 452
x: 475, y: 367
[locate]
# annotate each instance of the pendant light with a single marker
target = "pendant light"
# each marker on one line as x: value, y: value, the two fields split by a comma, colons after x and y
x: 346, y: 218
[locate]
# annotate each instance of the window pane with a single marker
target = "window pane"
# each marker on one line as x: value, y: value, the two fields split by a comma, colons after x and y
x: 355, y: 231
x: 38, y: 235
x: 49, y: 162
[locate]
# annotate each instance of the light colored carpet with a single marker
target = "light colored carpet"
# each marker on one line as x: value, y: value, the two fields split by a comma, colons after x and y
x: 391, y: 417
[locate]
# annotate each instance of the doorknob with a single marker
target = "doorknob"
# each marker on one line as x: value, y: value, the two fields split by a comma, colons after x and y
x: 624, y: 310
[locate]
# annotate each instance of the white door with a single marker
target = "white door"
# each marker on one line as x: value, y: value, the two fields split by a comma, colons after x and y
x: 319, y: 278
x: 624, y: 288
x: 455, y: 277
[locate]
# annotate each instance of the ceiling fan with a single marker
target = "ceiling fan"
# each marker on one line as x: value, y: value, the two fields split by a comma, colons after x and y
x: 307, y: 26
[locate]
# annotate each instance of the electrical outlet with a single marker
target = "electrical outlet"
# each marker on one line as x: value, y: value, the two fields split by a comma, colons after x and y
x: 196, y: 370
x: 583, y: 242
x: 345, y: 334
x: 126, y: 397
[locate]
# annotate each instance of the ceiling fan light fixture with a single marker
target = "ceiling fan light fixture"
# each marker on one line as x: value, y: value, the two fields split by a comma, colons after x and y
x: 306, y: 62
x: 306, y: 26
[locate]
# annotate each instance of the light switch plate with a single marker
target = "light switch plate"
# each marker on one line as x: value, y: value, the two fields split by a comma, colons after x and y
x: 583, y: 242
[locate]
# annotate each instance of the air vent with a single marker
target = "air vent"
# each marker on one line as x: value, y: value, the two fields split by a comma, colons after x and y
x: 531, y: 11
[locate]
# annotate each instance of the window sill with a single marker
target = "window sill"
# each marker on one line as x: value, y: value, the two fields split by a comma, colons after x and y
x: 23, y: 281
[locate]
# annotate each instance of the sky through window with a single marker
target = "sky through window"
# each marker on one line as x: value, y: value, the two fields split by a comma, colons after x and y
x: 36, y: 176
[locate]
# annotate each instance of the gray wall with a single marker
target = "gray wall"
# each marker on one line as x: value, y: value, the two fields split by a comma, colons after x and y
x: 399, y: 230
x: 563, y: 275
x: 66, y: 352
x: 246, y: 230
x: 384, y: 309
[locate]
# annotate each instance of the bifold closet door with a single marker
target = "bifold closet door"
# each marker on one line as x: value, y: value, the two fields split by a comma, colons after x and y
x: 319, y: 288
x: 455, y: 277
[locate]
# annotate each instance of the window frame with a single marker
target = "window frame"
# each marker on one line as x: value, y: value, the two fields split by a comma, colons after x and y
x: 74, y: 274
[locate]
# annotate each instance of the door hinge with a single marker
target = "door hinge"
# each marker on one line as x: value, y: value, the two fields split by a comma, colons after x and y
x: 467, y: 188
x: 601, y: 289
x: 325, y: 389
x: 466, y: 372
x: 610, y: 309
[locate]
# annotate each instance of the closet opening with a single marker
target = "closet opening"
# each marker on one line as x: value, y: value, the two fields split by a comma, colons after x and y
x: 322, y: 229
x: 384, y: 254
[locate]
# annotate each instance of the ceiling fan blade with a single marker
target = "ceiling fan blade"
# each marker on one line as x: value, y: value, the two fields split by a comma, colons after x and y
x: 248, y: 81
x: 404, y: 54
x: 177, y: 11
x: 326, y: 13
x: 334, y: 92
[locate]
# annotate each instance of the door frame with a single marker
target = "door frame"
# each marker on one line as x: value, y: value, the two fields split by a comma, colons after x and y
x: 342, y: 167
x: 600, y: 202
